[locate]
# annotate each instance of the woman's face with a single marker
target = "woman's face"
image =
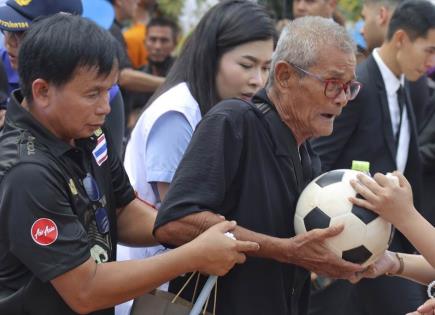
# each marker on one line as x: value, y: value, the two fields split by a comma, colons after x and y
x: 243, y: 70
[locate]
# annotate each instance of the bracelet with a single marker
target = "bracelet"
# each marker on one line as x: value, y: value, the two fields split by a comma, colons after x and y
x: 429, y: 289
x: 401, y: 266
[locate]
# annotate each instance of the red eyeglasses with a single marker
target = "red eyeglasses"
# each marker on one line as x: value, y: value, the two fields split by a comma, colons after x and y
x: 333, y: 87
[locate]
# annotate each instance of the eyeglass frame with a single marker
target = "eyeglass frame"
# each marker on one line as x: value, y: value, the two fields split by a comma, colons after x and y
x: 344, y: 86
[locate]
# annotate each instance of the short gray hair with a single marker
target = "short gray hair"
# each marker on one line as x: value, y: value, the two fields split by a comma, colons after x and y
x: 302, y: 41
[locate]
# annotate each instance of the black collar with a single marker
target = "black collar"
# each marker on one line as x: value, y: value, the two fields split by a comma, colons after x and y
x: 285, y: 143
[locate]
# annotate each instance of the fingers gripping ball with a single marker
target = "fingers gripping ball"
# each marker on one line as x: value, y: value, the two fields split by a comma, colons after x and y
x: 325, y: 202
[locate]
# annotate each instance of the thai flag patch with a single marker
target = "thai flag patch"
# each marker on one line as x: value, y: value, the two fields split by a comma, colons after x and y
x: 100, y: 151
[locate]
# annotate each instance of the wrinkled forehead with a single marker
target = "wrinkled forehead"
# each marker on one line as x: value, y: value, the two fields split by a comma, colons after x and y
x: 336, y: 64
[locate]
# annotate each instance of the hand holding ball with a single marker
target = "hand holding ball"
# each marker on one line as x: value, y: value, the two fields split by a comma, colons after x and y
x: 325, y: 202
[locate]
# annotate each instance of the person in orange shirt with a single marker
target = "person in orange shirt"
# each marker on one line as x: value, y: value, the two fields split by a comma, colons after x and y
x: 136, y: 34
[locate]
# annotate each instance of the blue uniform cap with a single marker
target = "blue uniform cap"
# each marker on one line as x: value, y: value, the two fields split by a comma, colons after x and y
x: 17, y: 15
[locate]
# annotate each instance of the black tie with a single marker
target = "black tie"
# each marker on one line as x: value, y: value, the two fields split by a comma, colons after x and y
x: 401, y: 102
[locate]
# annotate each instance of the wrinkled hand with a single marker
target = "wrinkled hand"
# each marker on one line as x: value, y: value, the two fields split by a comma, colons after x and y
x: 387, y: 263
x: 382, y: 195
x: 310, y: 251
x: 428, y: 308
x: 2, y: 117
x: 217, y: 253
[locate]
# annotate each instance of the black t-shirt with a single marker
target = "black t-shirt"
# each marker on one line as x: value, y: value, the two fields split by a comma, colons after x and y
x: 48, y: 222
x: 244, y: 164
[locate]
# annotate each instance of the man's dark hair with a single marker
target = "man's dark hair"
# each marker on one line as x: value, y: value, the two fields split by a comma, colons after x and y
x: 224, y: 27
x: 163, y: 21
x: 415, y: 17
x: 55, y: 47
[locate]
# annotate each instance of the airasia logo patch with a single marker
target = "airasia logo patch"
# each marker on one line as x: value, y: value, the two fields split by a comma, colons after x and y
x: 44, y: 232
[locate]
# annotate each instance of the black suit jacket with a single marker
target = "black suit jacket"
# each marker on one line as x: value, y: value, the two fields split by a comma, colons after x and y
x: 364, y: 132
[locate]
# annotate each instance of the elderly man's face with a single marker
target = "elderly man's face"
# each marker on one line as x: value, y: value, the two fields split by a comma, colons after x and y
x: 311, y: 112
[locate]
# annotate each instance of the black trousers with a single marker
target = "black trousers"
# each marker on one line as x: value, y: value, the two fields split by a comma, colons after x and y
x: 381, y: 296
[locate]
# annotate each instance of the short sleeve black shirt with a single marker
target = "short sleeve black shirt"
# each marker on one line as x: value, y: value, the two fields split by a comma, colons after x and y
x: 48, y: 222
x: 244, y: 163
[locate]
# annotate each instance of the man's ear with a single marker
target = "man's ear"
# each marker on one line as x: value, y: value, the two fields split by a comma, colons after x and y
x: 384, y: 15
x: 40, y: 92
x: 399, y: 38
x: 283, y: 74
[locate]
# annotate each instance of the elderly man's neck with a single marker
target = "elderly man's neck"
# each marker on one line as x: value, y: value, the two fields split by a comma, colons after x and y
x: 285, y: 112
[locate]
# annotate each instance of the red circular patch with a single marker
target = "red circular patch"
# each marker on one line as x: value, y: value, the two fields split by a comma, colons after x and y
x: 44, y: 232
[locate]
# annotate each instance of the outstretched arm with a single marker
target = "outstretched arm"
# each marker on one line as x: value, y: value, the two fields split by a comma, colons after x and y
x: 90, y: 286
x: 394, y: 203
x: 307, y: 250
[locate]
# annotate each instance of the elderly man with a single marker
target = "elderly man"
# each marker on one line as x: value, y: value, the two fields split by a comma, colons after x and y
x: 65, y: 199
x: 250, y: 162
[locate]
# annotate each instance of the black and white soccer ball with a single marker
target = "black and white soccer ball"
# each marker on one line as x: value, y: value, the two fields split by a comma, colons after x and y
x: 325, y: 202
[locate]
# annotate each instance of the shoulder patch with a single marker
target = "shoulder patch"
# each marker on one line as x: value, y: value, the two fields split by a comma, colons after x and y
x: 44, y: 232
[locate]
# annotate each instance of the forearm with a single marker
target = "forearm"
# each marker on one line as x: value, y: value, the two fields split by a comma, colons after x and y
x: 139, y: 81
x: 416, y: 268
x: 187, y: 228
x: 420, y: 233
x: 135, y: 224
x: 116, y: 282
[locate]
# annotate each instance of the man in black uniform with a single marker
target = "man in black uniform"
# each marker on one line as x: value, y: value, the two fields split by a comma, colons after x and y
x: 250, y: 163
x: 65, y: 199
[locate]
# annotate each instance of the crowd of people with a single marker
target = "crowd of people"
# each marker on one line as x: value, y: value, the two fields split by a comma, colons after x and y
x: 126, y: 161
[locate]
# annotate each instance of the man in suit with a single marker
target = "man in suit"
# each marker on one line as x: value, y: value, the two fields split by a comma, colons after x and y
x: 376, y: 15
x: 379, y: 126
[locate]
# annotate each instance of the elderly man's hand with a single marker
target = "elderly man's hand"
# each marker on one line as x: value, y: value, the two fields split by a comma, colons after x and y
x: 309, y: 251
x: 427, y: 308
x: 2, y: 117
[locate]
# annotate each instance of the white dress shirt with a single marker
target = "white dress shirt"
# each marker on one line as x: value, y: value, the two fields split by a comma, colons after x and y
x: 392, y: 84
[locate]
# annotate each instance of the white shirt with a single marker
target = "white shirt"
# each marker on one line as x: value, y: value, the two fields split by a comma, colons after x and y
x: 177, y: 99
x: 392, y: 84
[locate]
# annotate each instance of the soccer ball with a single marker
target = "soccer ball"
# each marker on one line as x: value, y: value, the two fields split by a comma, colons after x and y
x: 325, y: 202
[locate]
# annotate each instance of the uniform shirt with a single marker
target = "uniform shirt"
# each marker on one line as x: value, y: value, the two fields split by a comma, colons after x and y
x: 13, y: 79
x: 245, y: 165
x: 48, y: 223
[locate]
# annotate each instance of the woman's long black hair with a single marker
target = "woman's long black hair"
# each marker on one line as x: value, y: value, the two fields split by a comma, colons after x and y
x: 225, y: 26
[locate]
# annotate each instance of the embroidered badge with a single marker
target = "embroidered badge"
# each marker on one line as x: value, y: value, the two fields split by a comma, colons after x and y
x: 100, y: 151
x: 44, y: 232
x: 23, y: 3
x: 98, y: 132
